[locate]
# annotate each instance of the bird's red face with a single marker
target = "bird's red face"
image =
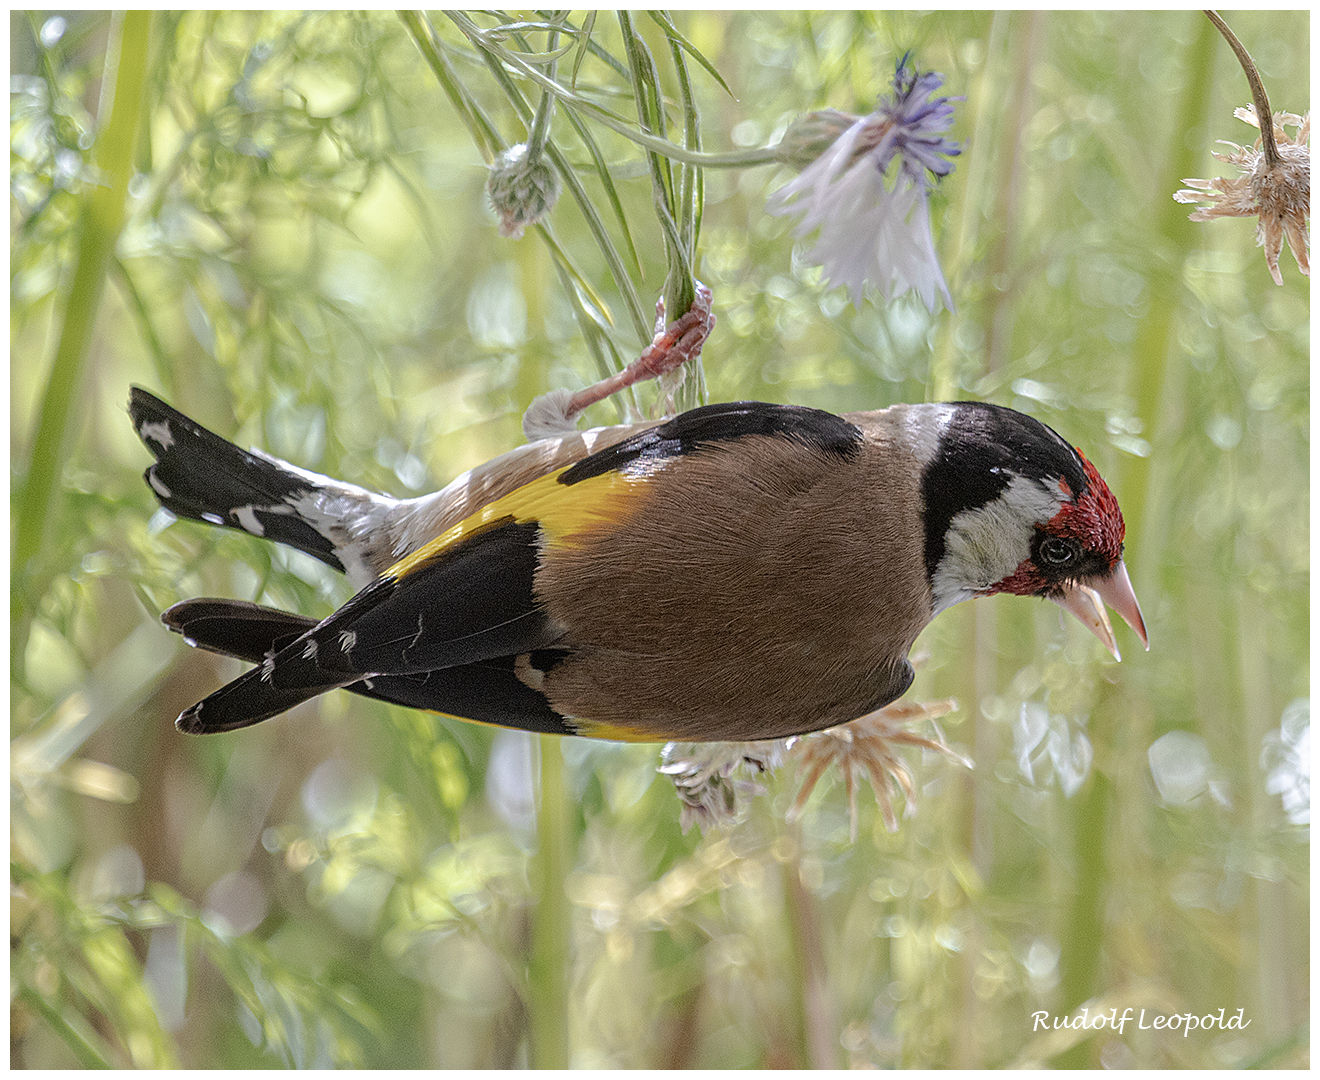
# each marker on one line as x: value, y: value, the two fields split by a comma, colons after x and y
x: 1093, y: 518
x: 1083, y: 539
x: 1011, y: 506
x: 1077, y: 560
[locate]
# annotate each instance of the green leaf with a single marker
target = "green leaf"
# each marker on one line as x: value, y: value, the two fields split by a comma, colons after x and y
x: 663, y: 19
x: 607, y: 182
x: 583, y: 44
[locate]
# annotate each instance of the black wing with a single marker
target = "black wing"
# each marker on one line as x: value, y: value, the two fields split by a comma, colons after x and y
x: 471, y: 603
x: 722, y: 422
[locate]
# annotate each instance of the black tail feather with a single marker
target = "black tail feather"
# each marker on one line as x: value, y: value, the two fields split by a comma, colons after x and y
x: 201, y: 476
x: 247, y: 700
x: 282, y: 678
x: 235, y: 627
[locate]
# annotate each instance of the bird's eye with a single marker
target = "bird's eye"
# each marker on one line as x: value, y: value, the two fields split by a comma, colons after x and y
x: 1058, y: 552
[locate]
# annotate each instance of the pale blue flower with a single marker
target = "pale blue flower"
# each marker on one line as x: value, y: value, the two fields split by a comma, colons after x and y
x: 873, y: 219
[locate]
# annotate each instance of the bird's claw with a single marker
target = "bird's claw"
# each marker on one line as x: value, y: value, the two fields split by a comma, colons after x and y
x: 672, y: 347
x: 678, y: 342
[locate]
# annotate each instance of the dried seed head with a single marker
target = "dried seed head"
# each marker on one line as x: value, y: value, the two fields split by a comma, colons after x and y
x: 1279, y: 197
x: 870, y: 745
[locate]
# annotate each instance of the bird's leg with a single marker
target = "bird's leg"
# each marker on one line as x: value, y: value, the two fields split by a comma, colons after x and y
x: 672, y: 347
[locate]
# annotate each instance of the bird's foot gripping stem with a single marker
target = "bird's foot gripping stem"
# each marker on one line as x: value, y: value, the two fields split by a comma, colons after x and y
x: 673, y: 346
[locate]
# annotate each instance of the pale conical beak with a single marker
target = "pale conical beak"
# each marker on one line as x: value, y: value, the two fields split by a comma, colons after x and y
x: 1087, y: 602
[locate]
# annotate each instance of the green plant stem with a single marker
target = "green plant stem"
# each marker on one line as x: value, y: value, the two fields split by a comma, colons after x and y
x: 680, y: 286
x: 1144, y: 481
x: 611, y: 192
x: 690, y: 197
x: 483, y: 133
x: 738, y: 159
x: 1029, y: 32
x: 547, y: 998
x: 80, y: 1043
x: 1083, y: 940
x: 817, y: 1025
x: 1259, y: 98
x: 423, y: 33
x: 104, y: 208
x: 539, y: 131
x: 943, y: 380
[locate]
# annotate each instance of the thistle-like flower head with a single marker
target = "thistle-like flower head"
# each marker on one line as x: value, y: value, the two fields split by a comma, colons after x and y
x: 911, y: 127
x: 873, y: 219
x: 1279, y: 197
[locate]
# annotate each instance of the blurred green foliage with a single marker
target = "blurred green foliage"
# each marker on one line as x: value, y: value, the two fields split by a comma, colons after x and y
x: 307, y: 263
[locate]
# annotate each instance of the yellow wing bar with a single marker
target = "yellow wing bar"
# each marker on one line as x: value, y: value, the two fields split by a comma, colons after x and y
x: 563, y: 511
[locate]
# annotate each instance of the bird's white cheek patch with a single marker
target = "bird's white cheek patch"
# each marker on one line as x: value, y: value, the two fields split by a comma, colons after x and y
x: 986, y: 545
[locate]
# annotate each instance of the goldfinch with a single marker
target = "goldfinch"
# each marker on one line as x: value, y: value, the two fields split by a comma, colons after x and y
x: 742, y: 571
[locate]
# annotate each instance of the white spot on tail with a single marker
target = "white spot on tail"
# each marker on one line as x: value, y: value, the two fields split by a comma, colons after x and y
x: 247, y: 517
x: 347, y: 641
x: 159, y: 488
x: 158, y: 431
x: 309, y: 650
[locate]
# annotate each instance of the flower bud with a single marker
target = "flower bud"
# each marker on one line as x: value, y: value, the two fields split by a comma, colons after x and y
x: 522, y: 193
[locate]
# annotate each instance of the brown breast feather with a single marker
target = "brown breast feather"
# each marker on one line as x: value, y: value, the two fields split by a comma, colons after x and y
x: 762, y: 589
